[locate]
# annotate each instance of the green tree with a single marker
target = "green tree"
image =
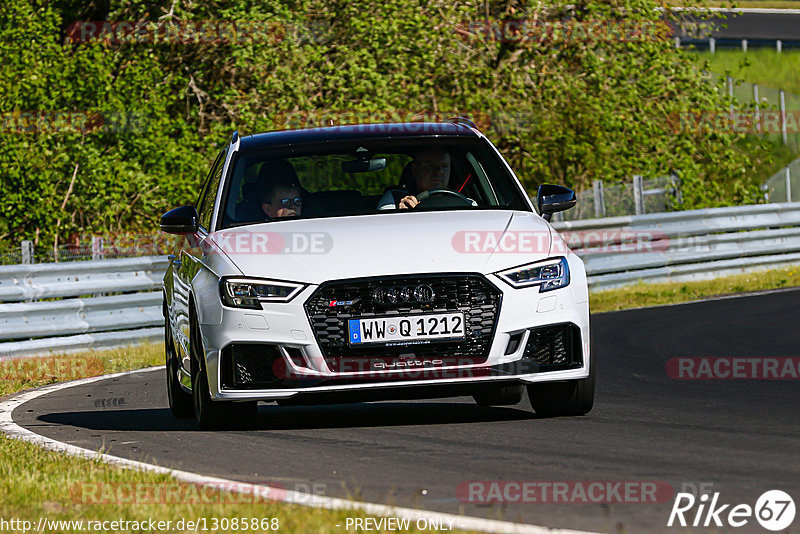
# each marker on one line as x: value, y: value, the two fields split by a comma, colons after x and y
x: 566, y: 102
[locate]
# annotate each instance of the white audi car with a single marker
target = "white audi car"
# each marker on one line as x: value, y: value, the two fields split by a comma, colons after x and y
x: 371, y: 262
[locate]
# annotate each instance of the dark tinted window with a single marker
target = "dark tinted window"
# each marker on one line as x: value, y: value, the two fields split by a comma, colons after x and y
x: 353, y: 177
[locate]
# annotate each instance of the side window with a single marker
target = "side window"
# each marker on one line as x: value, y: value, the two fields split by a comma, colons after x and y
x: 205, y: 206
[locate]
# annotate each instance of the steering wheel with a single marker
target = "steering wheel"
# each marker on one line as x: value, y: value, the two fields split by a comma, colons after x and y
x: 431, y: 193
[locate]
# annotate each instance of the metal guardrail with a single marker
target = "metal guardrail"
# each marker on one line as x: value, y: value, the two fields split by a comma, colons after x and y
x: 80, y: 316
x: 90, y: 304
x: 59, y: 280
x: 618, y: 251
x: 685, y: 245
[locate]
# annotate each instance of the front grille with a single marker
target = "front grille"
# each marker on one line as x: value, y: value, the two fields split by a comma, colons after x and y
x: 554, y: 347
x: 471, y: 294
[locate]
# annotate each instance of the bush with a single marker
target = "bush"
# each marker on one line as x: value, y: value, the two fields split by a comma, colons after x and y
x: 564, y: 110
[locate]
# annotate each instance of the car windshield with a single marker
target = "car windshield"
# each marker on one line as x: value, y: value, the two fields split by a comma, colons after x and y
x: 371, y: 177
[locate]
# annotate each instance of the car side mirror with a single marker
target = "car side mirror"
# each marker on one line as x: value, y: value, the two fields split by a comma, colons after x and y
x: 552, y: 198
x: 183, y: 220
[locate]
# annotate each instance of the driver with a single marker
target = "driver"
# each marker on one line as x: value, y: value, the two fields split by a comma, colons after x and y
x: 430, y: 169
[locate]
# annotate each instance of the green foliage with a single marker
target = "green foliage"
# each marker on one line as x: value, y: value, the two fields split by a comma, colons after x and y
x: 81, y: 107
x: 565, y: 110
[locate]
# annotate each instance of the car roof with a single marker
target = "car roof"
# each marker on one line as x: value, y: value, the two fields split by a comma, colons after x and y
x: 332, y: 134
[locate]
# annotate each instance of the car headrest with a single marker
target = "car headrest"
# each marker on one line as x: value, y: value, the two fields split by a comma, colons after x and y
x: 407, y: 178
x: 332, y: 202
x: 277, y: 170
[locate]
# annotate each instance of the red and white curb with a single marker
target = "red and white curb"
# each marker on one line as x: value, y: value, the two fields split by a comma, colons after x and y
x: 10, y: 428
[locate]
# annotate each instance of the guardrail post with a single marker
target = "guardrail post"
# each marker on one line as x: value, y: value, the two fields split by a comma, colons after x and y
x: 788, y: 184
x: 755, y: 99
x: 97, y: 248
x: 783, y: 119
x: 730, y: 94
x: 638, y: 197
x: 27, y: 252
x: 599, y: 199
x: 712, y: 44
x: 676, y: 188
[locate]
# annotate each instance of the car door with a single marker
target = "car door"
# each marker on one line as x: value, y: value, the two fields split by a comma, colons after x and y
x: 186, y: 263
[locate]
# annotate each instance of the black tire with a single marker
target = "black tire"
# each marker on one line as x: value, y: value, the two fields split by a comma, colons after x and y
x: 180, y: 402
x: 214, y: 415
x: 506, y: 395
x: 569, y: 398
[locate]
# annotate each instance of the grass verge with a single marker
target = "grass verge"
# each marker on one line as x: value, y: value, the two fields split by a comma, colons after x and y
x: 642, y: 295
x: 765, y: 67
x: 36, y: 483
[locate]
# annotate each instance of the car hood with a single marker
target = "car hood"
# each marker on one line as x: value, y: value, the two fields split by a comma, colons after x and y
x: 315, y: 250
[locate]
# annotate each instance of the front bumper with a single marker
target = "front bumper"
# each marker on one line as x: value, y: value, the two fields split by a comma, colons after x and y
x: 291, y: 364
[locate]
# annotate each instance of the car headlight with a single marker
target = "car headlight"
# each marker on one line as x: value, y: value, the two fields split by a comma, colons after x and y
x: 548, y: 275
x: 250, y: 293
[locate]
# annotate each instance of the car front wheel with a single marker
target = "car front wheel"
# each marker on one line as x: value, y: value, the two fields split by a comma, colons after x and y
x: 571, y: 397
x: 180, y: 402
x: 507, y: 395
x: 208, y: 414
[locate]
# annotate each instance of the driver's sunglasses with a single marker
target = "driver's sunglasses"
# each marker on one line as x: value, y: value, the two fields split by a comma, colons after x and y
x: 290, y: 202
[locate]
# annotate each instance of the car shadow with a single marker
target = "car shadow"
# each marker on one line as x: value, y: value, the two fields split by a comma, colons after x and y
x: 272, y: 417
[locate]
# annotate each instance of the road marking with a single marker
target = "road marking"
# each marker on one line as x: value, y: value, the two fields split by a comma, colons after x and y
x: 10, y: 428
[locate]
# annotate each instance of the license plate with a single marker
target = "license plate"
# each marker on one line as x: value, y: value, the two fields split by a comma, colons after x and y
x: 406, y: 328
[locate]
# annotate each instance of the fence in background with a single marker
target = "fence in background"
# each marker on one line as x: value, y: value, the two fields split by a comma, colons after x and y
x: 637, y: 197
x: 94, y: 248
x: 101, y: 303
x: 775, y: 110
x: 784, y: 185
x: 712, y: 43
x: 654, y: 195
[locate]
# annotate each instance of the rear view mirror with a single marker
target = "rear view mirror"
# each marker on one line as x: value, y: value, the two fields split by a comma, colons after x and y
x: 552, y: 198
x: 364, y: 165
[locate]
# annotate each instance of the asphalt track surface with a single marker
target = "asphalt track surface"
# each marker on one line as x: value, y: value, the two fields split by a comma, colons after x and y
x: 739, y: 437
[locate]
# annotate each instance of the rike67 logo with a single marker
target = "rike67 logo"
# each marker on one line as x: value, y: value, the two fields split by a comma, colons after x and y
x: 774, y: 510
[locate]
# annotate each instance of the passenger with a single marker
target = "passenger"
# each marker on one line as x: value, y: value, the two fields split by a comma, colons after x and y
x: 281, y: 201
x: 282, y: 195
